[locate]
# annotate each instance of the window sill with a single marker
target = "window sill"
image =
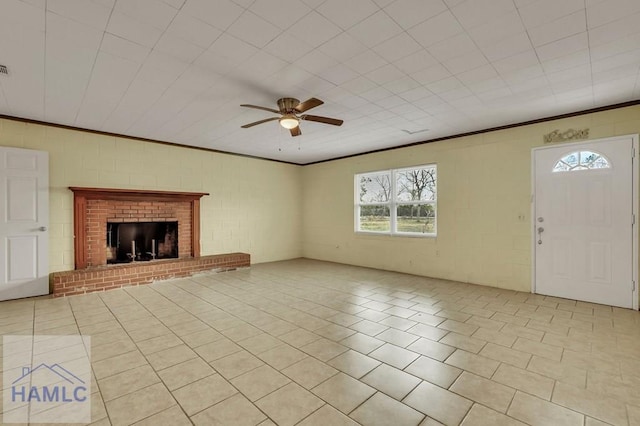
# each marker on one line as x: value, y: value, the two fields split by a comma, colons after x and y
x: 396, y: 234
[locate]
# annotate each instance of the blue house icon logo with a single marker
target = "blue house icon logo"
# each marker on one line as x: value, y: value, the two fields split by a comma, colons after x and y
x: 60, y: 385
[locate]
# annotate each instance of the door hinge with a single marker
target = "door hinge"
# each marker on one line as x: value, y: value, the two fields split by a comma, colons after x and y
x: 633, y: 152
x: 633, y: 219
x: 633, y: 286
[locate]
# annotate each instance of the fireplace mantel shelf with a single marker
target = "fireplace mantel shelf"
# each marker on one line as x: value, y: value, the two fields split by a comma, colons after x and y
x: 82, y: 196
x: 134, y: 194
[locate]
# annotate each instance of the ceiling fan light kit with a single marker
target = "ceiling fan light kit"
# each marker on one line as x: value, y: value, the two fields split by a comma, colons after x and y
x: 289, y: 110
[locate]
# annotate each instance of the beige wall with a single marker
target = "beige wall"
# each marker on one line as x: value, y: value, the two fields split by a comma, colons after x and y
x: 254, y: 206
x: 484, y: 220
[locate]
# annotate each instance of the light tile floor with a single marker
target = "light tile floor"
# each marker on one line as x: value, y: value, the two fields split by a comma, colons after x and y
x: 314, y: 343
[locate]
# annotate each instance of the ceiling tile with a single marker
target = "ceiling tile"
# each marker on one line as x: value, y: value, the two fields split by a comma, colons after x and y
x: 288, y: 48
x: 193, y: 30
x: 516, y: 62
x: 85, y: 12
x: 497, y: 29
x: 343, y: 47
x: 281, y: 13
x: 376, y: 94
x: 226, y: 52
x: 416, y: 62
x: 477, y: 74
x: 385, y: 74
x: 316, y: 62
x: 131, y: 29
x: 431, y: 74
x: 444, y: 85
x: 564, y: 62
x: 614, y: 30
x: 544, y: 11
x: 140, y: 96
x: 358, y: 85
x: 620, y: 45
x: 160, y: 68
x: 408, y: 13
x: 123, y: 48
x: 338, y: 74
x: 509, y: 47
x: 475, y: 12
x: 151, y: 12
x: 254, y: 30
x: 608, y: 11
x: 314, y: 29
x: 397, y: 47
x: 401, y: 85
x: 452, y: 47
x: 559, y: 29
x: 366, y: 62
x: 487, y: 85
x: 375, y: 29
x: 415, y: 94
x: 566, y: 46
x: 347, y: 13
x: 436, y: 29
x: 220, y: 13
x: 178, y: 48
x: 173, y: 3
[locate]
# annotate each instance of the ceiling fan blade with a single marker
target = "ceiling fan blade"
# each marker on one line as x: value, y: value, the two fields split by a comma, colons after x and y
x: 295, y: 131
x: 325, y: 120
x: 255, y: 123
x: 262, y: 108
x: 308, y: 104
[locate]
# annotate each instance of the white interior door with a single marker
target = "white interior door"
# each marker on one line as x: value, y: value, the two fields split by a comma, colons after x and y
x: 24, y: 220
x: 583, y: 223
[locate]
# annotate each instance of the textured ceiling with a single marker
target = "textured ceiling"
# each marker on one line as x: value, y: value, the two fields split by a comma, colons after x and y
x: 396, y: 72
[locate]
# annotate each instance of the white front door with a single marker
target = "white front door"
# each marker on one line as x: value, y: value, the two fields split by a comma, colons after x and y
x: 583, y: 221
x: 24, y: 218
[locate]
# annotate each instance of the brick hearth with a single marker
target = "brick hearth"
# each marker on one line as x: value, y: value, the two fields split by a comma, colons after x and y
x: 132, y: 274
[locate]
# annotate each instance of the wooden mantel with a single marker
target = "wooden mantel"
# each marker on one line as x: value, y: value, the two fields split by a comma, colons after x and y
x: 81, y: 195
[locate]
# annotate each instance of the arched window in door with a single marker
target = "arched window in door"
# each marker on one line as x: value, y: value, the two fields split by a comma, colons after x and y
x: 582, y: 160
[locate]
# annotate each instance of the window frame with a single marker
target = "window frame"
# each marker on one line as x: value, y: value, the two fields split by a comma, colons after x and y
x: 393, y: 203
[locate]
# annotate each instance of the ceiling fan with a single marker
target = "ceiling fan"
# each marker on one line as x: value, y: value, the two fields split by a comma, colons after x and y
x: 290, y: 110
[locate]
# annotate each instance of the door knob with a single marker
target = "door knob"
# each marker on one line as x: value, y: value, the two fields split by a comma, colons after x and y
x: 540, y: 231
x: 42, y: 229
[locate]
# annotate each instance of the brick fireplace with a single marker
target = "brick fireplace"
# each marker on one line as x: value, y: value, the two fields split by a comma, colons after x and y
x: 98, y: 209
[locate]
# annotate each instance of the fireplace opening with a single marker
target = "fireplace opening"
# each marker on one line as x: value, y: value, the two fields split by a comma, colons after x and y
x: 141, y: 241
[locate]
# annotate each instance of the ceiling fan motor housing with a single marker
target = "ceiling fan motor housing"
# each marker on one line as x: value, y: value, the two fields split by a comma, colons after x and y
x: 287, y: 105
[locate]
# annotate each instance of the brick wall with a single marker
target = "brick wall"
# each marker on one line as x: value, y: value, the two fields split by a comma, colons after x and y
x: 99, y: 212
x: 103, y: 278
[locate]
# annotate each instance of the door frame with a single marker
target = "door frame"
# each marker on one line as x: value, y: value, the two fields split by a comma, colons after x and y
x: 634, y: 190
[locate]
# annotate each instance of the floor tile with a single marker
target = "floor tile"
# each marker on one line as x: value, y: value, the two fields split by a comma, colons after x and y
x: 236, y: 364
x: 362, y: 343
x: 538, y: 412
x: 298, y: 337
x: 539, y: 349
x: 127, y: 382
x: 391, y: 381
x: 200, y: 338
x: 427, y: 331
x: 502, y: 354
x: 558, y: 371
x: 324, y: 349
x: 397, y: 337
x: 282, y: 356
x: 172, y: 356
x: 480, y: 415
x: 173, y: 416
x: 367, y: 327
x: 203, y: 393
x: 309, y: 372
x: 434, y: 371
x: 458, y: 327
x: 484, y: 391
x: 394, y: 355
x: 494, y: 336
x: 289, y: 404
x: 524, y: 380
x: 354, y: 363
x: 139, y: 405
x: 117, y: 364
x: 234, y: 411
x: 343, y: 392
x: 477, y: 364
x: 469, y: 344
x: 378, y: 409
x: 218, y: 349
x: 596, y: 405
x: 325, y: 416
x: 259, y: 382
x: 431, y: 349
x: 438, y: 403
x: 184, y: 373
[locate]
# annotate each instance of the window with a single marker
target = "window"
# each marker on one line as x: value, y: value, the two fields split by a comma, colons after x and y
x: 397, y: 202
x: 583, y: 160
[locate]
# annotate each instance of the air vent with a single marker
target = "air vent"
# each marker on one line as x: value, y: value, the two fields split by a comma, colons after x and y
x: 4, y: 70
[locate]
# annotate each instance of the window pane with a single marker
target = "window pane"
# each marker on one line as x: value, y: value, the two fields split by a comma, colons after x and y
x: 375, y: 218
x: 375, y: 188
x: 583, y: 160
x: 416, y: 218
x: 416, y: 185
